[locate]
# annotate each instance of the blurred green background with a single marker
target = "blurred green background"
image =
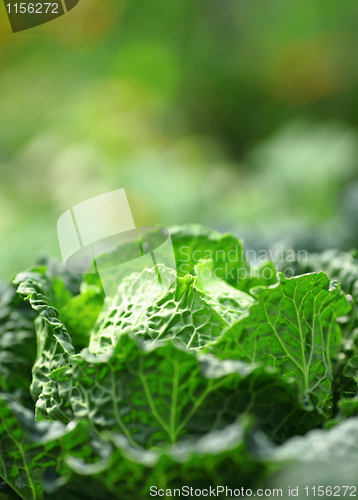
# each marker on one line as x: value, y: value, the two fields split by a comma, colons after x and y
x: 239, y: 115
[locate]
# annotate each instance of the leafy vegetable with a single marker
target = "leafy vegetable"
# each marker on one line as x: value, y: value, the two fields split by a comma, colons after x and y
x: 190, y: 309
x: 17, y: 345
x: 194, y: 242
x: 191, y: 379
x: 293, y: 328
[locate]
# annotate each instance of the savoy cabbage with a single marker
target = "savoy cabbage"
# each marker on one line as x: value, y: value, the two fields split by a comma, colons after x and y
x: 198, y: 380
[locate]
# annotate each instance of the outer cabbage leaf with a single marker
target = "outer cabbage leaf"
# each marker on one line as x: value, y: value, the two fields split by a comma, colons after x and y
x: 340, y: 442
x: 321, y: 460
x: 17, y: 345
x: 343, y: 267
x: 161, y: 392
x: 46, y: 460
x: 54, y: 345
x: 219, y: 458
x: 293, y: 328
x: 34, y: 454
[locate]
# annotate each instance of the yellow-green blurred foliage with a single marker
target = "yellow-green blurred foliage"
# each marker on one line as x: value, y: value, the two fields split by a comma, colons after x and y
x: 239, y: 115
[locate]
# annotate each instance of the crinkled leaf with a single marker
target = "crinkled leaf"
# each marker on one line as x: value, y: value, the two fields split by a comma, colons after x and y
x: 146, y: 406
x: 32, y: 452
x: 54, y: 345
x: 230, y: 303
x: 293, y: 328
x: 190, y: 309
